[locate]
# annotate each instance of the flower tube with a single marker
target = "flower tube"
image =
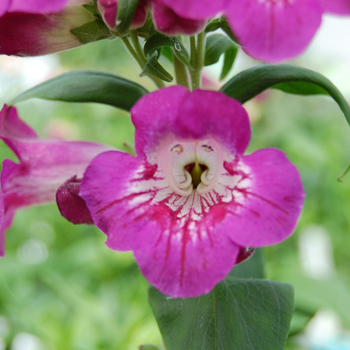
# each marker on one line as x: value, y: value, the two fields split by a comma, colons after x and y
x: 43, y: 166
x: 32, y: 28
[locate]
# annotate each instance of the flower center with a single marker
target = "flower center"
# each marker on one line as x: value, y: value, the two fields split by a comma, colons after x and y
x: 192, y: 166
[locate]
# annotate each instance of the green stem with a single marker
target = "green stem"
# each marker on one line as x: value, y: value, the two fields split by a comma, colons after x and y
x: 193, y: 50
x: 135, y: 40
x: 131, y: 50
x: 140, y: 58
x: 196, y: 73
x: 181, y: 73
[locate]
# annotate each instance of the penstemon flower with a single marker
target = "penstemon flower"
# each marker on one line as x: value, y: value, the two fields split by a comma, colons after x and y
x: 44, y: 166
x: 191, y: 202
x: 109, y: 9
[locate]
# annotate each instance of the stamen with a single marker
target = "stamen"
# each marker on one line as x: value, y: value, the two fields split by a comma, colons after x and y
x: 184, y: 188
x: 194, y: 176
x: 187, y: 182
x: 204, y: 178
x: 207, y: 185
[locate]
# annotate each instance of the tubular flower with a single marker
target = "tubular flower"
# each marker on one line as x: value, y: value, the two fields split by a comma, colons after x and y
x: 109, y: 9
x: 268, y: 30
x: 43, y: 166
x: 190, y: 202
x: 168, y: 22
x: 40, y: 27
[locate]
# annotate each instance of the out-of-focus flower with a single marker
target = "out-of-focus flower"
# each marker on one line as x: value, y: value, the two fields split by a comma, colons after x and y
x: 268, y: 30
x: 109, y: 8
x: 168, y: 22
x: 32, y: 6
x: 38, y: 27
x: 190, y: 202
x: 43, y: 166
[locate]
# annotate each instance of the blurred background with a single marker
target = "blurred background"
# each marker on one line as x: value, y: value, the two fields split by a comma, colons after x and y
x: 62, y: 288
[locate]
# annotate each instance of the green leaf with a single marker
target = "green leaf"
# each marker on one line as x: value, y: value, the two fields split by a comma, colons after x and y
x: 216, y: 45
x: 213, y: 25
x: 91, y: 31
x: 226, y: 28
x: 230, y: 56
x: 159, y: 40
x: 154, y: 68
x: 251, y: 82
x: 236, y: 315
x: 250, y: 268
x: 87, y: 86
x: 91, y: 8
x: 148, y: 347
x: 168, y: 53
x: 221, y: 22
x: 125, y: 15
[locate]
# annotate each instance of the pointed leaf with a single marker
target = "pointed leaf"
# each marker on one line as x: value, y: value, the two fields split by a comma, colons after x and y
x: 92, y: 31
x: 220, y: 22
x: 213, y: 25
x: 251, y: 82
x: 154, y: 68
x: 216, y: 45
x: 125, y: 15
x: 230, y: 56
x: 236, y: 315
x: 168, y: 53
x: 87, y: 86
x: 159, y: 40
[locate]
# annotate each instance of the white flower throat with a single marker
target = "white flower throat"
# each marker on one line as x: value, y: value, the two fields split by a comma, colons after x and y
x: 192, y: 166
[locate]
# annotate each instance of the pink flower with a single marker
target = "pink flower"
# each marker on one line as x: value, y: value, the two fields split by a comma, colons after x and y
x: 168, y: 22
x: 43, y: 166
x: 268, y: 30
x: 190, y: 202
x: 32, y: 6
x: 109, y: 8
x: 39, y: 27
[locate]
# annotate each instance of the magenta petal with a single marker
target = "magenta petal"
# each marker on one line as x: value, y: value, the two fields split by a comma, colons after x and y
x: 274, y: 31
x: 272, y: 202
x: 108, y: 10
x: 4, y: 6
x: 40, y: 34
x: 104, y: 187
x: 185, y: 263
x: 2, y: 226
x: 339, y: 7
x: 71, y: 205
x: 196, y: 9
x: 38, y: 6
x: 180, y: 260
x: 164, y: 113
x: 168, y: 22
x: 140, y: 14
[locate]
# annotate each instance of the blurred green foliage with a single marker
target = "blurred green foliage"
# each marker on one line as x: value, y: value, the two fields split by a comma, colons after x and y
x: 61, y: 283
